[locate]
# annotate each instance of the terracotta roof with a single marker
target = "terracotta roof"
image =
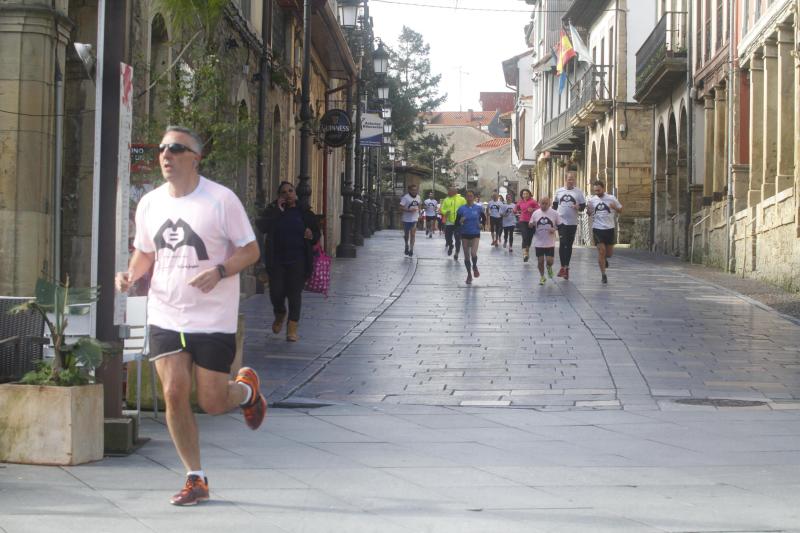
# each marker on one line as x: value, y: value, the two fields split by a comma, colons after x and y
x: 461, y: 118
x: 495, y: 143
x: 500, y: 101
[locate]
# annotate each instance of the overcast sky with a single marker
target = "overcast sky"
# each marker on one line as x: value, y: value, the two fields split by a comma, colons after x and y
x: 476, y: 42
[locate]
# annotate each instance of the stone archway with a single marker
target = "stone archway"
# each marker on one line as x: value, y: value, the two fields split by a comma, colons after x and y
x: 660, y: 188
x: 671, y: 185
x: 611, y: 178
x: 275, y: 167
x: 160, y: 58
x: 592, y: 170
x: 682, y: 182
x: 601, y: 160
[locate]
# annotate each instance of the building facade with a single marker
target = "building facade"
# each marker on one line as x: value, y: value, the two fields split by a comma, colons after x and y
x: 43, y: 150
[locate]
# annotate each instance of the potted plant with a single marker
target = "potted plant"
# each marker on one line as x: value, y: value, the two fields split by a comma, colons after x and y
x: 54, y: 415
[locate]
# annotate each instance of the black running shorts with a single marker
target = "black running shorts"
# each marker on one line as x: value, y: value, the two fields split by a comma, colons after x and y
x: 545, y: 252
x: 604, y: 236
x: 212, y: 351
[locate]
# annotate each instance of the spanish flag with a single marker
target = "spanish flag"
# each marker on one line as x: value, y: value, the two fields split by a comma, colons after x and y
x: 565, y: 54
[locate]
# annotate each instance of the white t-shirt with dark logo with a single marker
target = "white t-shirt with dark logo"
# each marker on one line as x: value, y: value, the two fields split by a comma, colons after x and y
x: 509, y: 218
x: 431, y: 206
x: 190, y: 234
x: 543, y: 222
x: 603, y: 215
x: 567, y: 200
x: 496, y: 208
x: 408, y: 201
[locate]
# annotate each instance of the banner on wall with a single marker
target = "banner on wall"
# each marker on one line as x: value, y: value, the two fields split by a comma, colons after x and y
x: 371, y: 129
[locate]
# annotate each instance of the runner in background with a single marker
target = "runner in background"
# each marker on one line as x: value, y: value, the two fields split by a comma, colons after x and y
x: 431, y: 214
x: 544, y: 222
x: 525, y: 208
x: 469, y: 218
x: 449, y: 210
x: 495, y: 211
x: 602, y: 207
x: 509, y: 222
x: 410, y: 204
x: 569, y: 201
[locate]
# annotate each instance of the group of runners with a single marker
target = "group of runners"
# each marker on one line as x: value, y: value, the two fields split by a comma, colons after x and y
x: 538, y: 222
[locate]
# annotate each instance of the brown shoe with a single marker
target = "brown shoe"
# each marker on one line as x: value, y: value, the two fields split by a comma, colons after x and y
x: 194, y: 491
x: 277, y: 326
x: 291, y: 331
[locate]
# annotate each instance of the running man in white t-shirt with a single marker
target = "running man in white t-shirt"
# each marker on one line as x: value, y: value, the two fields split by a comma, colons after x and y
x: 431, y: 214
x: 410, y: 205
x: 495, y: 209
x: 195, y: 235
x: 602, y: 208
x: 569, y: 200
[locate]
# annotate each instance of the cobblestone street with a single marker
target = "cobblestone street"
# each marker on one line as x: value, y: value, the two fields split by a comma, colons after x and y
x: 414, y: 403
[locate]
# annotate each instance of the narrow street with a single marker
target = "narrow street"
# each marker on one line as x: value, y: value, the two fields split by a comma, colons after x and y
x: 504, y: 406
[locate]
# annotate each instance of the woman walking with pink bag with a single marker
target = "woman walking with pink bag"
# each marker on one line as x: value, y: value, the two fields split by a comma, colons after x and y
x: 290, y: 234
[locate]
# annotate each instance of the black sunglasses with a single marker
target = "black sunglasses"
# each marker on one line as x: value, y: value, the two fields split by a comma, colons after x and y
x: 174, y: 148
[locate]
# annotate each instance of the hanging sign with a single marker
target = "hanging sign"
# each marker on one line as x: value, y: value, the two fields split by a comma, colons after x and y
x: 336, y: 128
x: 371, y: 129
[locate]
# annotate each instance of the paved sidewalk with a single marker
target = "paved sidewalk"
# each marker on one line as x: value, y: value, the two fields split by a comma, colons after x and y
x: 584, y: 435
x: 361, y: 288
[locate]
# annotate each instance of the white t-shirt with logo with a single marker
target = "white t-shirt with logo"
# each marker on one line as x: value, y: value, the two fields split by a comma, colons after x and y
x: 431, y: 207
x: 603, y: 215
x: 191, y: 234
x: 509, y: 218
x: 408, y: 201
x: 496, y: 208
x: 543, y: 222
x: 566, y: 200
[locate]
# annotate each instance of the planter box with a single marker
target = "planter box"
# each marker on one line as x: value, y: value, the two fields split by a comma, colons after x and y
x: 51, y: 425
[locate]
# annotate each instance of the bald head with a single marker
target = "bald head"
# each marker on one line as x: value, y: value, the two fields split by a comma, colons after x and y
x: 544, y: 203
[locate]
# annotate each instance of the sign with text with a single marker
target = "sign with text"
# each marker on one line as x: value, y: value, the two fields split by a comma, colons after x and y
x: 336, y: 128
x: 371, y: 129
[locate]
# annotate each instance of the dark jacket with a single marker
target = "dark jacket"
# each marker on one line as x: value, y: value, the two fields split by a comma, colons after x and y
x: 267, y: 223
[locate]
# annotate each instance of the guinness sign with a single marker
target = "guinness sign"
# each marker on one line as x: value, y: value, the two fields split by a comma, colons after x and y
x: 336, y: 128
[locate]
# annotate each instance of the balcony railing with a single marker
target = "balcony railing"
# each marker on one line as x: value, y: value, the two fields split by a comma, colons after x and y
x: 595, y: 84
x: 668, y: 39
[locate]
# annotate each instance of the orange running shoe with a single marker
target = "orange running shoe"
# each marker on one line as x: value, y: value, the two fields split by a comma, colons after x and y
x: 255, y: 411
x: 194, y: 491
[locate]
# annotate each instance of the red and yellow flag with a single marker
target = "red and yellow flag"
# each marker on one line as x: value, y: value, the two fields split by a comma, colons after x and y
x: 565, y: 52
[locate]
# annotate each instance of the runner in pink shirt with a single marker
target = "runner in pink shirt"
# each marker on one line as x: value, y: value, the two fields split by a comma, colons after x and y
x: 544, y: 222
x: 524, y: 209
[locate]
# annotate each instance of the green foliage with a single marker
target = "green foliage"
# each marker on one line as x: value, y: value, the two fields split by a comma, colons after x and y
x: 198, y: 92
x: 72, y: 363
x: 412, y: 87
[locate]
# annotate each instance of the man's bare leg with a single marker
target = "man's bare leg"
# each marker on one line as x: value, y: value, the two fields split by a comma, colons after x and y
x: 601, y: 257
x: 216, y: 393
x: 175, y: 372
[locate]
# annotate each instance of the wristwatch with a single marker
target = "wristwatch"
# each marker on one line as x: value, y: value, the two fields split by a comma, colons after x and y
x: 221, y: 270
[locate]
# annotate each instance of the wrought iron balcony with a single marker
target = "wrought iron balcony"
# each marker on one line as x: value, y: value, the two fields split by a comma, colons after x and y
x: 661, y: 62
x: 592, y: 95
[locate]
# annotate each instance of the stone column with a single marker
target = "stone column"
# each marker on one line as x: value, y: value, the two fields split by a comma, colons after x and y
x: 785, y: 125
x: 708, y: 146
x: 720, y: 141
x: 770, y: 112
x: 756, y: 129
x: 33, y: 40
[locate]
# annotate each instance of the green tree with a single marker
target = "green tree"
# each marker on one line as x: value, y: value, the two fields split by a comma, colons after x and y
x: 427, y: 149
x: 413, y: 89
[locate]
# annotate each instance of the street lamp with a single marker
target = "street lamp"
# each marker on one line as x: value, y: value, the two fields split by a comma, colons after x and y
x: 391, y: 151
x: 380, y: 59
x: 386, y: 111
x: 383, y: 91
x: 387, y: 139
x: 387, y: 128
x: 348, y: 13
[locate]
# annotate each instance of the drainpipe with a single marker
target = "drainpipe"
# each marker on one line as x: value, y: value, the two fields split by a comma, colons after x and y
x: 729, y: 128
